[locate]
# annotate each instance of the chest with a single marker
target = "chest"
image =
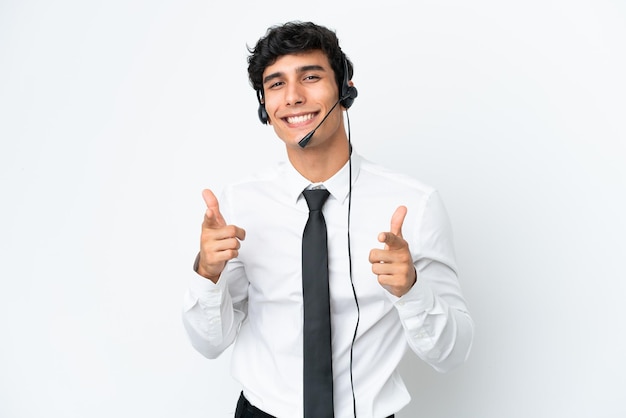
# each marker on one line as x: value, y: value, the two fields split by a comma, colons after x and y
x: 272, y: 250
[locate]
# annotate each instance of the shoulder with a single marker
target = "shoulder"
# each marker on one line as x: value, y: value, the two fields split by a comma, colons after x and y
x: 265, y: 188
x: 259, y: 179
x: 386, y: 179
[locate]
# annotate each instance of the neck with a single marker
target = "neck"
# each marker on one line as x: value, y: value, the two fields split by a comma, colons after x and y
x: 319, y: 163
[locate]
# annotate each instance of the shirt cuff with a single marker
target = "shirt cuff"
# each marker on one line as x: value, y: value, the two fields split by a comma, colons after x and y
x: 204, y: 292
x: 418, y: 299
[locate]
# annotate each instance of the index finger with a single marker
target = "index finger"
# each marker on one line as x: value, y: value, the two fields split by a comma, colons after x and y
x: 391, y: 241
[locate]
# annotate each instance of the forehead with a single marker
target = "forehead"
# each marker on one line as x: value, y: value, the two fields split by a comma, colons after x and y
x: 293, y: 63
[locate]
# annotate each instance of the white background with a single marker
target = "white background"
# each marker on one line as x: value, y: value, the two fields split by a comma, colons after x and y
x: 115, y: 115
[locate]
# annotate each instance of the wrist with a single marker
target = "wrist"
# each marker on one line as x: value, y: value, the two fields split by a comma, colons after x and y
x: 197, y: 267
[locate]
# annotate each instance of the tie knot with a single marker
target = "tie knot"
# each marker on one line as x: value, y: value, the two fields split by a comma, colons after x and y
x: 315, y: 198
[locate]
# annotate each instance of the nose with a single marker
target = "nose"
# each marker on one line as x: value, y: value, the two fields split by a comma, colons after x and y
x: 293, y: 95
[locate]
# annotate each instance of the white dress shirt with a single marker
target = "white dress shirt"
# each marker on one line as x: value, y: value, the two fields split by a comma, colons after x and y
x: 257, y: 302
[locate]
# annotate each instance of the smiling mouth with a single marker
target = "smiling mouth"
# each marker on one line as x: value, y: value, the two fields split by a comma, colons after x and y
x: 300, y: 118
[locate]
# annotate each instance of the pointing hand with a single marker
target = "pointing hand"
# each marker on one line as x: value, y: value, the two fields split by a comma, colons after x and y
x: 393, y: 265
x: 219, y: 242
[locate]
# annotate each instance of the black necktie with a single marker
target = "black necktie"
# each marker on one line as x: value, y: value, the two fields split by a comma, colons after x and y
x: 318, y: 372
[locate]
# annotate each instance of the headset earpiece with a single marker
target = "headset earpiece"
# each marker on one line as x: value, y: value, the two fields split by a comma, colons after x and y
x: 348, y: 92
x: 263, y: 116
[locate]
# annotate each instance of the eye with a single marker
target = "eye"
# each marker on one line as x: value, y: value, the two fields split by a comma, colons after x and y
x: 311, y: 77
x: 276, y: 84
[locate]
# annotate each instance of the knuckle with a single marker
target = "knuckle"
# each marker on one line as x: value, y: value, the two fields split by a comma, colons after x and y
x: 232, y: 243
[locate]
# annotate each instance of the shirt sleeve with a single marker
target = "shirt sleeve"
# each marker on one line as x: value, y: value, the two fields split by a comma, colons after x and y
x: 211, y: 313
x: 434, y: 314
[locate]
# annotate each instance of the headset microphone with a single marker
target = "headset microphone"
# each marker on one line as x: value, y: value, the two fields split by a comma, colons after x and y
x: 304, y: 141
x: 346, y: 98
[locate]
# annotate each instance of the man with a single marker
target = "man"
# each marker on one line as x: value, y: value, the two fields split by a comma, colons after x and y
x: 392, y: 279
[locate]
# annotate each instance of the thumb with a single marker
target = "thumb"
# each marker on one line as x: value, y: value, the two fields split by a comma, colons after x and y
x: 397, y: 220
x: 213, y: 206
x: 393, y: 239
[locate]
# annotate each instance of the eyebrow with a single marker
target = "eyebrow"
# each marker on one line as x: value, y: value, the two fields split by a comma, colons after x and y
x: 299, y: 70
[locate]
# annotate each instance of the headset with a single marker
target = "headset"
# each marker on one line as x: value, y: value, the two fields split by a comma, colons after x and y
x: 346, y: 98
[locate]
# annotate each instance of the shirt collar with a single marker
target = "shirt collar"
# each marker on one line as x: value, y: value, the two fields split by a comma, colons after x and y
x: 337, y: 185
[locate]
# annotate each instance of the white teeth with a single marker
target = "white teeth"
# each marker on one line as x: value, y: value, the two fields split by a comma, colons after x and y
x: 299, y: 119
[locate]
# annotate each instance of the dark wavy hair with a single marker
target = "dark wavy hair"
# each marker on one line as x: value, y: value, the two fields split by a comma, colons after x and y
x: 293, y: 38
